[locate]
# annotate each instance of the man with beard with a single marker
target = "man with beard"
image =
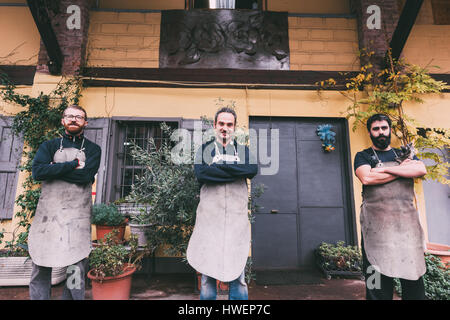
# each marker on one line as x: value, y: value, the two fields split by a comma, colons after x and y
x: 392, y: 239
x: 220, y: 241
x: 60, y: 234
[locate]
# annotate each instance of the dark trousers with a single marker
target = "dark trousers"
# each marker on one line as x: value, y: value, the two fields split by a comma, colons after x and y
x: 411, y: 289
x: 74, y: 289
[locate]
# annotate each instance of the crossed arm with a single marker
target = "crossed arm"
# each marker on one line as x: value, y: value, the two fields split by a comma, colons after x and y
x: 407, y: 169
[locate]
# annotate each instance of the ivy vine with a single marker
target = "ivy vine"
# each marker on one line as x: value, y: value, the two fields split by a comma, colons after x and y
x: 39, y: 121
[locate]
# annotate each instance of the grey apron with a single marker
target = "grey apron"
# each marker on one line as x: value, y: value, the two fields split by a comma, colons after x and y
x: 60, y: 234
x: 392, y: 234
x: 220, y: 243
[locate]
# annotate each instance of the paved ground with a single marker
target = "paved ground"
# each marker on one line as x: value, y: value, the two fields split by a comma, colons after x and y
x: 182, y: 287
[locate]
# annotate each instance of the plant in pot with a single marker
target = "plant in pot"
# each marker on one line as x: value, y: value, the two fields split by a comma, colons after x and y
x: 140, y: 225
x: 339, y: 260
x: 106, y: 218
x: 112, y: 266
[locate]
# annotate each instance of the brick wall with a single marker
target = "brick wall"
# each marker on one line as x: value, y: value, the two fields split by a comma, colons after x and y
x: 323, y: 44
x: 429, y: 45
x: 124, y: 39
x: 121, y: 39
x: 71, y: 42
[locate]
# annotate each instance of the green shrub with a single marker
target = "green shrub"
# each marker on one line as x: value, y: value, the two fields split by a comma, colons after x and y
x: 339, y: 257
x: 108, y: 258
x: 106, y: 215
x: 436, y: 280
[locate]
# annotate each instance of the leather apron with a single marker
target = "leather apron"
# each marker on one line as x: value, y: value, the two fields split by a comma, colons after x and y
x: 60, y: 234
x: 220, y: 242
x: 392, y: 234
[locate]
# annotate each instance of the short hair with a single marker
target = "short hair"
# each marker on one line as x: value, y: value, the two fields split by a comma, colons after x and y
x: 225, y: 110
x: 378, y: 117
x: 75, y: 106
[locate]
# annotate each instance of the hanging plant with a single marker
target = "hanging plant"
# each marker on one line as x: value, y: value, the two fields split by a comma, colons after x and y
x: 327, y: 136
x: 39, y: 121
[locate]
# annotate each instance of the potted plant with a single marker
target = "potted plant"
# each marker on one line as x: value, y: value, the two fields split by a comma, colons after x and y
x: 339, y: 260
x: 106, y: 218
x: 439, y: 250
x: 140, y: 224
x: 112, y: 266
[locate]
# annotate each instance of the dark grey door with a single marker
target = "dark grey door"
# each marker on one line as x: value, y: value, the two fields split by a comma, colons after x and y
x: 10, y: 154
x: 307, y: 201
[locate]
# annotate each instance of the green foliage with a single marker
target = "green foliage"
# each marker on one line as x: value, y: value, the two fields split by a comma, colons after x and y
x: 13, y: 248
x: 108, y: 258
x: 40, y: 120
x: 384, y: 91
x: 106, y: 215
x: 142, y: 218
x: 436, y: 279
x: 172, y: 191
x: 339, y: 257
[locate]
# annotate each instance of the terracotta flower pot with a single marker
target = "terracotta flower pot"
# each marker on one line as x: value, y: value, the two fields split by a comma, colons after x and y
x: 113, y: 288
x: 101, y: 231
x: 440, y: 250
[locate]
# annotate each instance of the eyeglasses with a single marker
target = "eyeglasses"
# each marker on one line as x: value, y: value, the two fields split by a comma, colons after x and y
x: 71, y: 117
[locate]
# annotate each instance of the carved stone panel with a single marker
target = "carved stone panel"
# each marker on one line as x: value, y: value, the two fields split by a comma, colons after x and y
x: 213, y: 39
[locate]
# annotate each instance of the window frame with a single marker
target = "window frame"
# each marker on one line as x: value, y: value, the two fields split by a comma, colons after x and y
x: 114, y: 177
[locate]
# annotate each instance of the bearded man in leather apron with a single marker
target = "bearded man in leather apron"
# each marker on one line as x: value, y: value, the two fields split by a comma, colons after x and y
x: 392, y: 237
x: 60, y: 233
x: 220, y: 242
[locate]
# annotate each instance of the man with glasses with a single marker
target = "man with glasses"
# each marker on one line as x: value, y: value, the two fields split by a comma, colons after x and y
x: 60, y: 234
x: 392, y: 238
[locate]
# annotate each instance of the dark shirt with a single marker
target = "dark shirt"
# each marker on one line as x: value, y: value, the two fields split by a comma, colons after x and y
x: 43, y: 167
x: 208, y: 172
x: 368, y: 157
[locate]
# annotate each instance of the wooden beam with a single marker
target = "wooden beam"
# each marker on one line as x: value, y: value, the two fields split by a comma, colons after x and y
x: 405, y: 23
x: 219, y: 78
x: 43, y: 23
x: 19, y: 75
x: 213, y: 77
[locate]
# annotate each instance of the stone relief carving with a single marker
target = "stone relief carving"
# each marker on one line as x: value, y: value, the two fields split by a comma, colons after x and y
x: 242, y: 39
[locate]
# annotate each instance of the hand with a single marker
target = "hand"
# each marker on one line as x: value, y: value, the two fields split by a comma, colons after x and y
x: 81, y: 164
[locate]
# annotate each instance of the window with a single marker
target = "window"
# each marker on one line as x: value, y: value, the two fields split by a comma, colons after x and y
x: 126, y: 168
x: 227, y: 4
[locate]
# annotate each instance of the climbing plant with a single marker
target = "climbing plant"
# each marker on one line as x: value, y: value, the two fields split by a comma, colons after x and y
x: 386, y: 91
x: 39, y: 121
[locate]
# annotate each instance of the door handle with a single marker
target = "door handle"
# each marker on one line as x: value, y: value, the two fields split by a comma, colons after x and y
x: 274, y: 211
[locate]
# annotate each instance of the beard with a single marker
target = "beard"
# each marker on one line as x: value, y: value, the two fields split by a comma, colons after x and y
x: 381, y: 142
x: 76, y: 129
